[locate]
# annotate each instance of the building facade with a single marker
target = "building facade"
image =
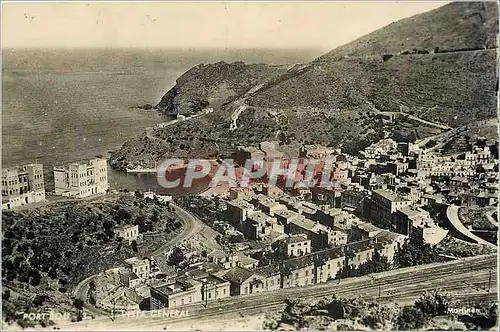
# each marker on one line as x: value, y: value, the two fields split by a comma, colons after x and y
x: 82, y: 179
x: 22, y: 185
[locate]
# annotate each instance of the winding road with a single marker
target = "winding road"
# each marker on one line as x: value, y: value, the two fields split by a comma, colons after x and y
x: 192, y: 226
x: 470, y: 279
x: 453, y: 217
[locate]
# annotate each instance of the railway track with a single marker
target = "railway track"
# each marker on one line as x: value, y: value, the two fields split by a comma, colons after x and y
x: 469, y: 279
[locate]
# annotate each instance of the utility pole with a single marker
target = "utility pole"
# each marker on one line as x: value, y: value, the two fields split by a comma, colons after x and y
x: 379, y: 291
x: 489, y: 282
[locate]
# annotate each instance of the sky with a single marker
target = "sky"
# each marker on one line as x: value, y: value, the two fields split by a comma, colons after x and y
x: 315, y: 25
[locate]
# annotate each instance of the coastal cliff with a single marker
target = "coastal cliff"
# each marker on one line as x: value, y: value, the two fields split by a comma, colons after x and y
x: 214, y: 85
x: 438, y: 67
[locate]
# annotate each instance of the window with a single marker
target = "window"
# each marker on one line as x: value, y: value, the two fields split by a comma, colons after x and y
x: 224, y: 291
x: 307, y: 273
x: 296, y: 275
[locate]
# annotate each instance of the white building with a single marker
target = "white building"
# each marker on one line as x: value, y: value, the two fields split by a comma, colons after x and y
x: 140, y: 267
x: 82, y: 178
x: 127, y: 232
x: 22, y: 185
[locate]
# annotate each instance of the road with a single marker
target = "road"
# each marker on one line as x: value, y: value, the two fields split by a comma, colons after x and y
x: 192, y: 225
x: 469, y: 279
x: 452, y: 215
x: 416, y: 118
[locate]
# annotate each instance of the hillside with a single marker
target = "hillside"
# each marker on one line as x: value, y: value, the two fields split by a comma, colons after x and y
x: 49, y: 250
x: 214, y: 85
x: 456, y: 26
x: 437, y: 87
x: 440, y: 66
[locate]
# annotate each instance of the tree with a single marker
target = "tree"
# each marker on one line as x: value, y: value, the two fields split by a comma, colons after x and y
x: 6, y: 295
x: 377, y: 263
x: 78, y: 304
x: 415, y: 252
x: 434, y: 303
x: 134, y: 245
x: 410, y: 318
x: 176, y: 257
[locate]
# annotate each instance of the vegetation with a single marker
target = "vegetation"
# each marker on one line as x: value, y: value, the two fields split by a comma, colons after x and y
x: 376, y: 264
x: 415, y: 252
x: 52, y: 248
x: 335, y: 313
x: 176, y: 257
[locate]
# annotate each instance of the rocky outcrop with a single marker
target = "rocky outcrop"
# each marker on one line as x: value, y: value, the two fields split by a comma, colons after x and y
x: 213, y: 85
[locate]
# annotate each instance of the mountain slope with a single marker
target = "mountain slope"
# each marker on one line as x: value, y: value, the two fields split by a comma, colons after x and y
x: 455, y: 26
x: 440, y: 66
x: 214, y: 85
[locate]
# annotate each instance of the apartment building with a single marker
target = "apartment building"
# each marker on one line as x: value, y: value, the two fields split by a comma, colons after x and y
x: 82, y: 179
x: 383, y: 204
x: 22, y: 185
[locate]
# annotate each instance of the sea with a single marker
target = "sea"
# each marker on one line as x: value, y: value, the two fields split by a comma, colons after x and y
x: 62, y: 105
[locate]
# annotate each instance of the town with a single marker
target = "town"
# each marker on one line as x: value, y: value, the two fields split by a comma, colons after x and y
x: 268, y: 237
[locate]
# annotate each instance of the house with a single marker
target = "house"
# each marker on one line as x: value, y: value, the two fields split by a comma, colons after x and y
x: 258, y: 225
x: 81, y: 178
x: 240, y: 193
x: 407, y: 218
x: 298, y: 272
x: 213, y: 287
x: 237, y: 211
x: 268, y: 205
x: 329, y: 263
x: 293, y: 246
x: 388, y: 243
x: 175, y: 294
x: 244, y: 281
x: 141, y: 267
x: 220, y: 257
x: 364, y: 231
x: 352, y: 199
x: 271, y: 276
x: 127, y: 232
x: 129, y: 279
x: 358, y: 253
x: 22, y: 185
x: 247, y: 262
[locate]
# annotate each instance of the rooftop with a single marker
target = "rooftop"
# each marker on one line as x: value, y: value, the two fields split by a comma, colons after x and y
x: 368, y: 227
x: 388, y: 236
x: 389, y: 195
x: 238, y: 275
x: 218, y: 254
x: 295, y: 239
x: 134, y: 261
x: 124, y: 227
x: 304, y: 223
